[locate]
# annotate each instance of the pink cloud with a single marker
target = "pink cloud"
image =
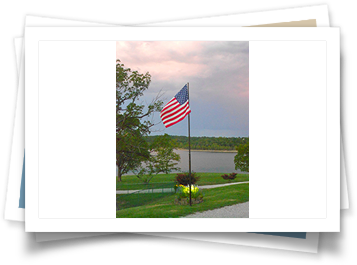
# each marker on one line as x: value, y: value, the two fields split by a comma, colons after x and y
x: 218, y: 73
x: 165, y: 60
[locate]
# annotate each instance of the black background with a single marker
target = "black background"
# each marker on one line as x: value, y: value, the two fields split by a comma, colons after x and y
x: 133, y: 248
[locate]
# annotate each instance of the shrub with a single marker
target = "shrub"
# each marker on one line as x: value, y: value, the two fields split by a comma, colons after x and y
x: 183, y: 197
x: 225, y: 176
x: 183, y: 179
x: 229, y: 177
x: 185, y: 191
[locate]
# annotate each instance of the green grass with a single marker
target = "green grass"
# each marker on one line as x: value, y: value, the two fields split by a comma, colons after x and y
x: 166, y: 208
x: 125, y: 201
x: 131, y: 182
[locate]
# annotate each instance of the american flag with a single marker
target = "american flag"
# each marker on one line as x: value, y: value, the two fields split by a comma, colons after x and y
x: 176, y: 109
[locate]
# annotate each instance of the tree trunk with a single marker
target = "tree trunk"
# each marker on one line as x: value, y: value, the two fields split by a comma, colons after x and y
x: 119, y: 173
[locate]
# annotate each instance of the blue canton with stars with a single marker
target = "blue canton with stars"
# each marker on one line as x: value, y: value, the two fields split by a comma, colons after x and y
x: 182, y: 96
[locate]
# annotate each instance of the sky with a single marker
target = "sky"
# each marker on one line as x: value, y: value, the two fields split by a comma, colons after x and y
x: 218, y: 76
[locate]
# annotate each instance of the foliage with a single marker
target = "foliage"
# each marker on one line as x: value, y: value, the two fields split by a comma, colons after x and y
x: 130, y: 152
x: 183, y: 178
x: 184, y: 191
x: 143, y: 173
x: 229, y: 177
x: 162, y: 159
x: 183, y: 195
x: 205, y: 143
x: 241, y: 160
x: 131, y: 147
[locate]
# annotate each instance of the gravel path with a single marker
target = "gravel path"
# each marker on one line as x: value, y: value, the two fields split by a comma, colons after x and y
x: 240, y: 210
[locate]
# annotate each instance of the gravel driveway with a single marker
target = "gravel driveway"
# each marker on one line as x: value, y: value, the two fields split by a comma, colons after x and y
x: 240, y: 210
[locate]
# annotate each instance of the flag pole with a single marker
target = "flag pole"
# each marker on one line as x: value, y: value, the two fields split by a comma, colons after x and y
x: 189, y: 143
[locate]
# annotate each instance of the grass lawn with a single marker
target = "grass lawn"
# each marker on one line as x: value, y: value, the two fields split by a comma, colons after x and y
x: 166, y: 208
x: 131, y: 182
x: 125, y: 201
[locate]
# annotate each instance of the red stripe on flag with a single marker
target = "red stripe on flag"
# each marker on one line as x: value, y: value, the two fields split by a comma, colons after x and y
x: 169, y: 104
x: 176, y: 114
x: 173, y: 111
x: 170, y: 124
x: 170, y: 108
x: 177, y: 118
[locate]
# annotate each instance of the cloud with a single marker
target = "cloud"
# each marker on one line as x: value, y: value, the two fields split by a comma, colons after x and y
x: 164, y: 60
x: 218, y: 73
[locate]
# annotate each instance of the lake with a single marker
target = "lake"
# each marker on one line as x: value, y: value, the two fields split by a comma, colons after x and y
x: 217, y: 162
x: 205, y: 161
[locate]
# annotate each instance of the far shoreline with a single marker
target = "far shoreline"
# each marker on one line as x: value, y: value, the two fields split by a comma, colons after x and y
x: 212, y: 151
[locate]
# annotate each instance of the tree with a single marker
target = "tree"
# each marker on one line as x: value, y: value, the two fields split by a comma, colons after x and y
x: 163, y: 156
x: 241, y: 160
x: 131, y: 126
x: 163, y: 159
x: 131, y: 151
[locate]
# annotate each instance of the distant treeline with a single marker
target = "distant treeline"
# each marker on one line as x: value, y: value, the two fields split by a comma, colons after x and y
x: 205, y: 143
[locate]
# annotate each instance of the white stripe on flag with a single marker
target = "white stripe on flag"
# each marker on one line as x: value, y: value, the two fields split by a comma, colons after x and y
x: 173, y: 113
x: 180, y: 108
x: 170, y: 108
x: 181, y: 117
x: 170, y: 103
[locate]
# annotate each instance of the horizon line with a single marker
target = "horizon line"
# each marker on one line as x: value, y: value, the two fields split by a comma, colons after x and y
x: 200, y: 136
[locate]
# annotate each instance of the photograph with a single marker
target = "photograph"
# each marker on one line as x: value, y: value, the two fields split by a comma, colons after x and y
x: 182, y: 129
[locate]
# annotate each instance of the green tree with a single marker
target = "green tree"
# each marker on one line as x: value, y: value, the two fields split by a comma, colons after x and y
x: 241, y: 159
x: 163, y: 156
x: 163, y: 159
x: 131, y: 151
x: 132, y: 118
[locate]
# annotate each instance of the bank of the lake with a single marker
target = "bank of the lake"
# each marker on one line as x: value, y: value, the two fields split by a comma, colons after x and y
x: 210, y: 151
x: 214, y: 161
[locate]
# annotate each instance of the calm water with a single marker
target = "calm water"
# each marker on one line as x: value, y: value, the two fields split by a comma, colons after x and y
x: 208, y: 161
